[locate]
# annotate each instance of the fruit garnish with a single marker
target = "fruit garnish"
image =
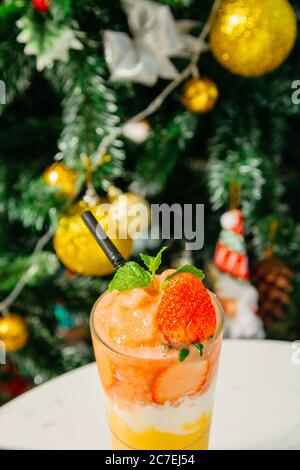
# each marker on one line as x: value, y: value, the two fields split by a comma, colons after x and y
x: 199, y: 346
x: 186, y: 314
x: 153, y: 262
x: 178, y: 381
x: 183, y: 354
x: 132, y: 275
x: 188, y: 268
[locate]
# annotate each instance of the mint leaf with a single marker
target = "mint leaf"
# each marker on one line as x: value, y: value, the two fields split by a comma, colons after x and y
x: 183, y: 354
x: 188, y: 268
x: 157, y: 260
x: 153, y: 262
x: 147, y: 260
x: 199, y: 346
x: 130, y: 276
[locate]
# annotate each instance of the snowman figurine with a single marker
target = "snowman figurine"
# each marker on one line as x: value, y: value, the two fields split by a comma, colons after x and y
x: 229, y: 273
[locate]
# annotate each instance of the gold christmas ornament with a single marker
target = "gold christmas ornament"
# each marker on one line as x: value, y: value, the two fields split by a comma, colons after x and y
x: 62, y: 178
x: 113, y: 193
x: 253, y: 37
x: 13, y: 332
x: 199, y: 95
x: 131, y: 212
x: 78, y: 250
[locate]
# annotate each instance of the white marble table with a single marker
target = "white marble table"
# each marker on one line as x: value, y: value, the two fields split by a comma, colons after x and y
x: 257, y: 405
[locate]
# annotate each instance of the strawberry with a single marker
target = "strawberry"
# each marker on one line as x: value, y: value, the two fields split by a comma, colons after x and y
x: 186, y: 314
x: 178, y: 381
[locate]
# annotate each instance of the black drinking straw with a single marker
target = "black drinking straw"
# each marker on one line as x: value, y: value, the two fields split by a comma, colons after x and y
x: 101, y: 237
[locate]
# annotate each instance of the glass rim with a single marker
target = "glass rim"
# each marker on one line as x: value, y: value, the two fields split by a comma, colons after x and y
x: 212, y: 340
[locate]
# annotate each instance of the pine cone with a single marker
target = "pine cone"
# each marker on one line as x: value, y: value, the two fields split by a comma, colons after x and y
x: 272, y: 278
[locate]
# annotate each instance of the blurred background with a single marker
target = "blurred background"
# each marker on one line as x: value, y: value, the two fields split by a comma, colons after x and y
x: 222, y: 130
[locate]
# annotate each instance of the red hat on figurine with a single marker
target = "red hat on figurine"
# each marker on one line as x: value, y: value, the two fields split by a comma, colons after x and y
x: 230, y: 254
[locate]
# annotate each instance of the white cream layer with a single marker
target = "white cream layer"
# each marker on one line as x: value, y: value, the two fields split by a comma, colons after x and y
x: 165, y: 418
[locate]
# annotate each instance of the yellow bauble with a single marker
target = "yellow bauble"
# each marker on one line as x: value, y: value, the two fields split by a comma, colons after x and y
x: 62, y: 178
x: 76, y: 247
x: 113, y: 193
x: 13, y: 332
x: 253, y: 37
x: 199, y: 95
x: 131, y: 212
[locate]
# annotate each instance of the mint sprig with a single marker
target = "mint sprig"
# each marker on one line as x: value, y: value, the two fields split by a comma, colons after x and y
x: 184, y: 352
x: 130, y: 276
x: 188, y: 268
x: 153, y: 262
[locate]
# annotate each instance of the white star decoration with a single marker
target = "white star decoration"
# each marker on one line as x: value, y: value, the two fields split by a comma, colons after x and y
x: 53, y: 44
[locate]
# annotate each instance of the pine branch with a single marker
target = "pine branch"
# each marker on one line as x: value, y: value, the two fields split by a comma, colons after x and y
x: 78, y: 290
x: 33, y: 212
x: 46, y: 355
x: 90, y: 112
x: 237, y: 154
x: 242, y: 165
x: 16, y: 75
x: 37, y: 266
x: 177, y: 3
x: 15, y: 68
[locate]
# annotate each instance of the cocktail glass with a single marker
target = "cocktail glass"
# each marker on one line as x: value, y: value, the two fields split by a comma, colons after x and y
x: 141, y: 418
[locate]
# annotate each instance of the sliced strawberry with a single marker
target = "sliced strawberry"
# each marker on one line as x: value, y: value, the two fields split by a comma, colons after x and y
x: 179, y: 380
x: 105, y: 370
x: 186, y: 314
x: 133, y: 383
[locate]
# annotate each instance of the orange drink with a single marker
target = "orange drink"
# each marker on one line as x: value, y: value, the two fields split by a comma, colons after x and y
x: 155, y: 399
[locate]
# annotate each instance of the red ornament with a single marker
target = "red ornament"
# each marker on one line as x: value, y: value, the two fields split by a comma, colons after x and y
x: 17, y: 385
x: 41, y: 5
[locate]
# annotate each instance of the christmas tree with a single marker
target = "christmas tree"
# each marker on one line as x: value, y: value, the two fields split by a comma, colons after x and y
x: 94, y: 107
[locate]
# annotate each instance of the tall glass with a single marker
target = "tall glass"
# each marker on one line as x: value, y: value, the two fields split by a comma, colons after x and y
x: 144, y: 415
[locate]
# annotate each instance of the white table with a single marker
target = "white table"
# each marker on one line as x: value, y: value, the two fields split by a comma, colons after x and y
x: 257, y: 405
